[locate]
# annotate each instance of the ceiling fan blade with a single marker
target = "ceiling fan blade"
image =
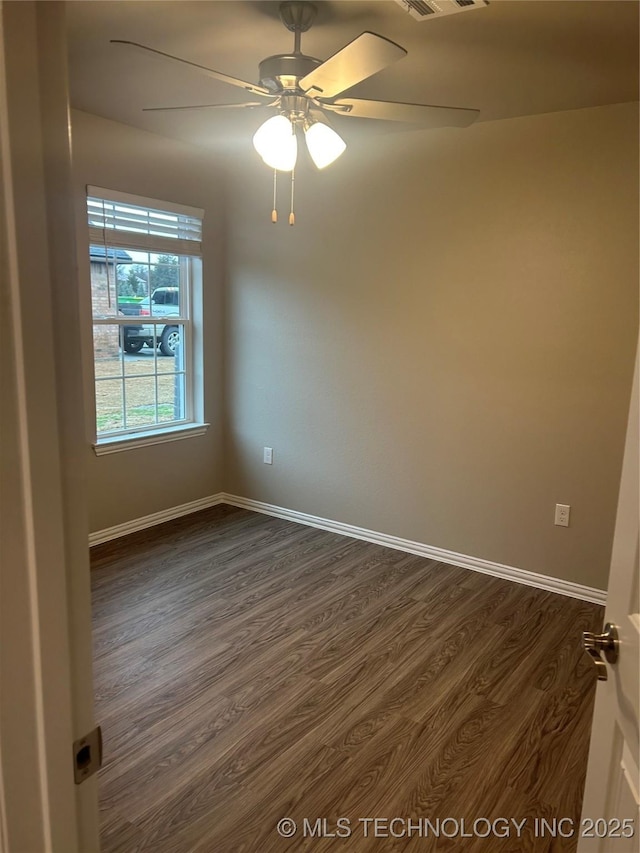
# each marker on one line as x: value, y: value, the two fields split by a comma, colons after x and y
x: 423, y: 114
x: 217, y: 75
x: 248, y: 105
x: 362, y: 57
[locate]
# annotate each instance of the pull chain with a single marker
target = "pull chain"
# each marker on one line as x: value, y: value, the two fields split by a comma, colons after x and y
x: 274, y: 212
x: 292, y: 216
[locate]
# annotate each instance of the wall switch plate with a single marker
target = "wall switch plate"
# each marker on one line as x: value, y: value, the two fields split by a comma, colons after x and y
x: 562, y: 515
x: 268, y: 456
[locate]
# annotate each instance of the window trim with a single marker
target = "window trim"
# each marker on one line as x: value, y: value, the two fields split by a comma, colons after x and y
x: 189, y: 252
x: 118, y: 443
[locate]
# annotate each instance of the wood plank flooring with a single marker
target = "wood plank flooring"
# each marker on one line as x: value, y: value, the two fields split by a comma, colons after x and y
x: 249, y: 669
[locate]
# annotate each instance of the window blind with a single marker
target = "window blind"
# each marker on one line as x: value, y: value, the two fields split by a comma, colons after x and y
x: 134, y: 222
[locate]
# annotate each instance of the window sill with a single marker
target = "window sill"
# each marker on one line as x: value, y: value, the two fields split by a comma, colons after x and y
x: 146, y: 439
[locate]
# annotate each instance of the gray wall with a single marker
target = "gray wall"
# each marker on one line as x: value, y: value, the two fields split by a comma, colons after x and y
x: 134, y: 483
x: 442, y: 348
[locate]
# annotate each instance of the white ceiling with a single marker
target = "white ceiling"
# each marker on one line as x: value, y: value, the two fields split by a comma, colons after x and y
x: 512, y: 58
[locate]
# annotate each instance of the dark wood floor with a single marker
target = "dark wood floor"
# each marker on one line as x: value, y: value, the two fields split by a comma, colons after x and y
x: 249, y: 669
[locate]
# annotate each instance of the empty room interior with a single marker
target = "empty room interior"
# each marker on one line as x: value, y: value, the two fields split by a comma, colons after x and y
x: 337, y: 335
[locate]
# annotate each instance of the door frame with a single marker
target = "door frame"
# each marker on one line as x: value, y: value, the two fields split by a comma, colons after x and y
x: 45, y: 629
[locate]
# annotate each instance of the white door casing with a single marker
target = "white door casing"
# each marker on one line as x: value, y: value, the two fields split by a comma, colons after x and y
x: 613, y: 786
x: 45, y: 633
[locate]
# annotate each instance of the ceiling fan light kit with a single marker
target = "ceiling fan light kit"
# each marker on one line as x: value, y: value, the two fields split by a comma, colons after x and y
x: 300, y: 87
x: 276, y: 142
x: 273, y: 139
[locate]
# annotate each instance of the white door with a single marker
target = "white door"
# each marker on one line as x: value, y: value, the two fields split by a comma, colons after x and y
x: 612, y: 789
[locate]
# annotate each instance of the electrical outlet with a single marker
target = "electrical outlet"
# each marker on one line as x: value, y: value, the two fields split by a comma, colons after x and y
x: 268, y: 456
x: 562, y: 515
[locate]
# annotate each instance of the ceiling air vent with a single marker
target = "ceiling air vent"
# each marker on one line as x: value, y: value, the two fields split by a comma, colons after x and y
x: 423, y: 10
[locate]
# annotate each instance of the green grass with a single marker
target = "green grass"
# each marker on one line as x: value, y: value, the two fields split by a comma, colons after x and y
x: 137, y: 416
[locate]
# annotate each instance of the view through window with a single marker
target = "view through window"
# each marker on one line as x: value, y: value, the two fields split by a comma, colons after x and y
x: 142, y: 297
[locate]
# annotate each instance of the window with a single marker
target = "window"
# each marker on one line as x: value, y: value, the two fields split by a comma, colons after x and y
x: 145, y: 292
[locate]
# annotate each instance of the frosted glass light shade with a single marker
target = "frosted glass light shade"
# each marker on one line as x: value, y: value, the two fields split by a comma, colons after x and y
x: 324, y: 144
x: 276, y: 143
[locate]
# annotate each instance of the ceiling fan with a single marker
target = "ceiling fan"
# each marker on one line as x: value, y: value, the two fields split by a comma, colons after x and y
x: 304, y: 90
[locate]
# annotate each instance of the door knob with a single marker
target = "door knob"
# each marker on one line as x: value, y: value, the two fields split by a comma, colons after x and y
x: 606, y: 642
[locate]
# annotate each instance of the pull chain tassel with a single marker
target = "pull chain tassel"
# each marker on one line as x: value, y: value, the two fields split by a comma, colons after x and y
x: 292, y: 216
x: 274, y: 212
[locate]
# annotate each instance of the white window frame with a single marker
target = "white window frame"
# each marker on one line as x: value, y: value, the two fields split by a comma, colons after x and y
x: 183, y: 239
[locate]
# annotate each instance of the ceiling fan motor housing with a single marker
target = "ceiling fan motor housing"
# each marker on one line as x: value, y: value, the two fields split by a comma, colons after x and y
x: 281, y: 73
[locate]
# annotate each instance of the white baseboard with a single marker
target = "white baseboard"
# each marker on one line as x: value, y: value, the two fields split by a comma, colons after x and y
x: 476, y: 564
x: 163, y: 515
